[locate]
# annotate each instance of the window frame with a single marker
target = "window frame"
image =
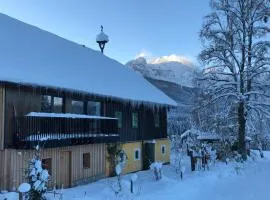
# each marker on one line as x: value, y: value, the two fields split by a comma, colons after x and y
x: 54, y: 106
x: 120, y: 120
x: 51, y: 107
x: 98, y: 108
x: 133, y: 124
x: 139, y: 154
x: 163, y: 146
x: 72, y: 107
x: 50, y: 104
x: 86, y: 164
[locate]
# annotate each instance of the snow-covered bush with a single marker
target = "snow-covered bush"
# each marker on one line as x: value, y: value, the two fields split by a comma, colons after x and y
x: 156, y: 167
x: 37, y: 178
x: 238, y: 163
x: 178, y: 162
x: 113, y: 151
x: 121, y: 160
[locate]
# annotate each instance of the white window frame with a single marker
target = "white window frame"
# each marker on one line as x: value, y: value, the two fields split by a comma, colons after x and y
x: 139, y: 150
x: 165, y: 150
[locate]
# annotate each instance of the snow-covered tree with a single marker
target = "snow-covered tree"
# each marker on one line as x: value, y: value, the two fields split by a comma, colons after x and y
x: 37, y: 177
x: 236, y: 47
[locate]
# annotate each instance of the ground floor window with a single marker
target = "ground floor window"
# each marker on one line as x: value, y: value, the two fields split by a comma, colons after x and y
x: 163, y: 149
x: 86, y: 160
x: 47, y: 164
x: 137, y: 154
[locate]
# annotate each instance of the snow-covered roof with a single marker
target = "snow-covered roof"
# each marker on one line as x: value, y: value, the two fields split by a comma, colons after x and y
x: 29, y: 55
x: 66, y: 115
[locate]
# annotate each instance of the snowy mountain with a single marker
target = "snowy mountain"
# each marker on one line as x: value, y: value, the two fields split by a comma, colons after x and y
x: 167, y: 68
x: 174, y: 76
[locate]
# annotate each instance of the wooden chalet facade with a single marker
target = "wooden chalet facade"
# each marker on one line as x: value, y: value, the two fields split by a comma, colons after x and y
x: 73, y: 127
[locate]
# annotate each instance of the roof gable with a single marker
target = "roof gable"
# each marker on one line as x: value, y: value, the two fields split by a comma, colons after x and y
x: 30, y: 55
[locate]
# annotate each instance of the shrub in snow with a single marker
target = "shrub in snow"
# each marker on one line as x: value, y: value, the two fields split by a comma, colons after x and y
x: 178, y: 162
x: 113, y: 150
x: 238, y: 163
x: 260, y: 150
x: 156, y: 167
x: 121, y: 160
x: 37, y: 178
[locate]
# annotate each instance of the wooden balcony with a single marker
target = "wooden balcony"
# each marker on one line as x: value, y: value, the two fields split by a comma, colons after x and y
x: 60, y: 130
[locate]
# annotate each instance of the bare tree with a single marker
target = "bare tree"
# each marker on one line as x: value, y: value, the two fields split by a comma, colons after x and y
x: 236, y: 46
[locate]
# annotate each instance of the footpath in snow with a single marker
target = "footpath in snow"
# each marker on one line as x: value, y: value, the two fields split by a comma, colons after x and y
x: 219, y: 183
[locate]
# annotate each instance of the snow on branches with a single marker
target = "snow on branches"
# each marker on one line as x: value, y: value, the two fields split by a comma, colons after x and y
x: 37, y: 178
x: 236, y: 50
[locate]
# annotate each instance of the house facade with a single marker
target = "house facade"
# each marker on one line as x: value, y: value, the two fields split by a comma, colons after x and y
x: 73, y: 102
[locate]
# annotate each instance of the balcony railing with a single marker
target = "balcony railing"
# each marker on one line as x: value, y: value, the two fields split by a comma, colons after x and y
x: 63, y: 131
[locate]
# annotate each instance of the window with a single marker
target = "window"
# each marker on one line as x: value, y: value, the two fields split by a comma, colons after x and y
x: 134, y: 120
x: 47, y: 164
x: 118, y: 115
x: 57, y: 104
x: 86, y: 160
x: 77, y: 107
x: 51, y: 104
x: 93, y: 108
x: 163, y: 149
x: 137, y: 155
x: 156, y: 119
x: 46, y: 104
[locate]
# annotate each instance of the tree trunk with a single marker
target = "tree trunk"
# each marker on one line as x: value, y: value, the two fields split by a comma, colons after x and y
x: 242, y: 131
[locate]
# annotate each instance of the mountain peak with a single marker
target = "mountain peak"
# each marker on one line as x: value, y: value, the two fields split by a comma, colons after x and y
x: 171, y: 58
x: 172, y: 68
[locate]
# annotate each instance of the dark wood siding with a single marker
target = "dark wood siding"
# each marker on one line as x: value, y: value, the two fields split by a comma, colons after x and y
x: 20, y: 100
x: 18, y: 103
x: 146, y: 129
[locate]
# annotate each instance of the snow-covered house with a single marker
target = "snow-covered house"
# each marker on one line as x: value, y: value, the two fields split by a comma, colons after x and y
x: 72, y: 101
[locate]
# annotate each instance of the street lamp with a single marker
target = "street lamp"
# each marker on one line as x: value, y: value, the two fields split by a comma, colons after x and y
x: 102, y: 39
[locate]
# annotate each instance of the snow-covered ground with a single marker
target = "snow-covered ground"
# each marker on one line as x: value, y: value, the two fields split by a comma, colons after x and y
x: 220, y: 183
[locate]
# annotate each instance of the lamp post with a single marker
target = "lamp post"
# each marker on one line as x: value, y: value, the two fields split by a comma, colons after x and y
x: 102, y: 39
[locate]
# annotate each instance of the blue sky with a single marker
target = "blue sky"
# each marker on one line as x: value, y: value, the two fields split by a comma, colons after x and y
x: 152, y: 27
